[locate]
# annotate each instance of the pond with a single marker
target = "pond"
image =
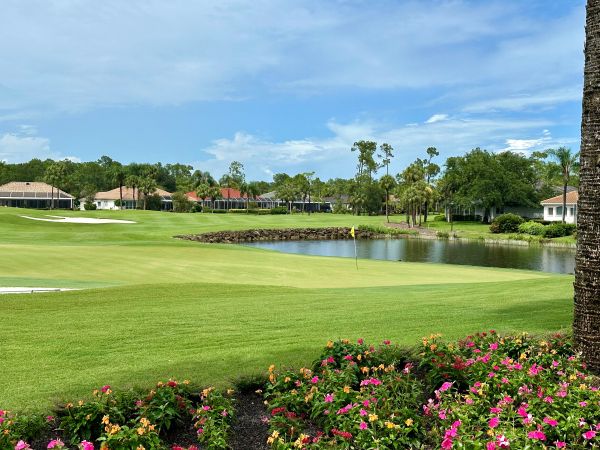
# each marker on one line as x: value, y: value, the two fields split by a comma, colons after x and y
x: 474, y: 253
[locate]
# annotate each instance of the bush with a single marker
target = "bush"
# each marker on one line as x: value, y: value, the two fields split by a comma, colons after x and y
x: 506, y: 223
x: 89, y: 206
x: 559, y: 230
x: 443, y: 235
x: 532, y: 228
x: 279, y: 210
x: 181, y: 203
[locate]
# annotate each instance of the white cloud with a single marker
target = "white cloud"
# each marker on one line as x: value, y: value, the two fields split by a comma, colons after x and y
x: 437, y: 118
x: 74, y: 55
x: 332, y: 156
x: 23, y: 145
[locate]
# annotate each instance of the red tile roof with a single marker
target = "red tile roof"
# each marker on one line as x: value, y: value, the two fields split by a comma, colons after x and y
x: 572, y: 198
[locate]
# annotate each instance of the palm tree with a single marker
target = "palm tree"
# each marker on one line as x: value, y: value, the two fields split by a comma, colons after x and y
x: 133, y: 181
x: 586, y: 322
x: 567, y: 162
x: 253, y: 190
x: 203, y: 191
x: 214, y: 193
x: 387, y: 183
x: 244, y: 190
x: 119, y: 175
x: 54, y: 175
x: 147, y: 185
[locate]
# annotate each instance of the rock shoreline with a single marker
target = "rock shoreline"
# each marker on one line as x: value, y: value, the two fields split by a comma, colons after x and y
x: 283, y: 234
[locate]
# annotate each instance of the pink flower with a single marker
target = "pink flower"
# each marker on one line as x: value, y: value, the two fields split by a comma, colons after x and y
x: 493, y: 423
x: 206, y: 408
x: 446, y: 444
x: 85, y: 445
x: 494, y: 346
x: 550, y: 421
x: 583, y: 404
x: 56, y: 443
x: 442, y: 414
x: 560, y: 444
x: 363, y: 426
x: 360, y: 341
x: 328, y: 398
x: 490, y: 445
x: 589, y: 434
x: 447, y: 385
x: 224, y: 413
x: 105, y: 388
x: 200, y: 431
x: 387, y: 342
x: 21, y: 445
x: 503, y: 442
x: 539, y: 435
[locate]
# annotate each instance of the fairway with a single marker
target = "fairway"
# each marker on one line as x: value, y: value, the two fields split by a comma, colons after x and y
x: 153, y: 307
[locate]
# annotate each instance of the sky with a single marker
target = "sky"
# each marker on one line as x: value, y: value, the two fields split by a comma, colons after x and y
x: 287, y: 86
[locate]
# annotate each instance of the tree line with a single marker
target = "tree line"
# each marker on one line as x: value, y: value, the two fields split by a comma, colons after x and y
x: 486, y: 179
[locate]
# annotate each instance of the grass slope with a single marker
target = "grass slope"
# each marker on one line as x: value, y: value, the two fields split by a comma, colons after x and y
x: 215, y: 312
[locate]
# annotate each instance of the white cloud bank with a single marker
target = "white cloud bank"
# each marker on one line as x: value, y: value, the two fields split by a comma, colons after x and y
x: 24, y: 144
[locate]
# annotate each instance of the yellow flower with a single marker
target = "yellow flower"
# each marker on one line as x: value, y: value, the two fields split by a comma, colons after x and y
x: 140, y: 447
x: 390, y: 425
x: 230, y: 391
x: 287, y: 379
x: 523, y: 356
x: 345, y: 341
x: 364, y: 369
x: 329, y: 344
x: 373, y: 417
x: 298, y: 443
x: 106, y: 420
x: 114, y: 429
x: 433, y: 347
x: 347, y: 389
x: 490, y: 432
x: 359, y: 357
x: 69, y: 405
x: 572, y: 377
x: 145, y: 422
x: 271, y: 367
x: 583, y: 386
x: 408, y: 422
x: 141, y: 431
x: 88, y: 417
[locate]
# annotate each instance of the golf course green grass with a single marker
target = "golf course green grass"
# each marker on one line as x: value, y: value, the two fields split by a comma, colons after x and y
x: 152, y: 307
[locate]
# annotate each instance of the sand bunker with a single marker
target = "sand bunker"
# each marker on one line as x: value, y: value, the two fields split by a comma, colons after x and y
x: 61, y: 219
x: 31, y: 290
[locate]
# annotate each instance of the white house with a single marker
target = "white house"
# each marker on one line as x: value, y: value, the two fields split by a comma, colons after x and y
x: 553, y: 208
x: 110, y: 199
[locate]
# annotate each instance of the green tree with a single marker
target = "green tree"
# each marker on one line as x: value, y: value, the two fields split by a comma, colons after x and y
x: 365, y: 169
x: 147, y: 186
x: 387, y: 183
x: 288, y: 192
x: 586, y: 322
x: 133, y: 182
x: 567, y: 161
x: 55, y: 175
x: 118, y: 174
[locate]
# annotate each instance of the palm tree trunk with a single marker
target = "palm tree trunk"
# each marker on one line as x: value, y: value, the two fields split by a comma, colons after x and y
x: 564, y: 211
x: 586, y: 322
x: 121, y: 194
x: 52, y: 199
x: 387, y: 216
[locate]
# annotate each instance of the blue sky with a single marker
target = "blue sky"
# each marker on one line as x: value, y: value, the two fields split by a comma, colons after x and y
x: 286, y: 86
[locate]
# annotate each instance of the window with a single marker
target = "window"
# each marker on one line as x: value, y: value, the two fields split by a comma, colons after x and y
x: 559, y: 210
x: 550, y: 211
x: 571, y: 211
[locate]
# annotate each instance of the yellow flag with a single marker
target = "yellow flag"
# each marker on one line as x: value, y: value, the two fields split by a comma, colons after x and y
x: 352, y: 231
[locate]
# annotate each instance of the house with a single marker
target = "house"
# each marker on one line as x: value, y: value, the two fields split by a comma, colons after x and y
x: 34, y: 194
x: 553, y: 208
x: 231, y: 198
x: 131, y: 199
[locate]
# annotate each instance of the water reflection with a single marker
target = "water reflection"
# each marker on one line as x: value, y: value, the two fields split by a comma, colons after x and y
x: 475, y: 253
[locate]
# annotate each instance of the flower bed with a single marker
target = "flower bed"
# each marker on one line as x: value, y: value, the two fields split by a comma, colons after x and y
x: 488, y: 392
x: 129, y: 420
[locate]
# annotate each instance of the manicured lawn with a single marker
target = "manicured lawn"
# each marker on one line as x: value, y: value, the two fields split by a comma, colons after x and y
x: 159, y: 307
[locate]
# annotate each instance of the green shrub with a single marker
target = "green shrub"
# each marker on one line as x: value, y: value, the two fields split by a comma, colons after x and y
x: 181, y: 203
x: 386, y: 230
x: 532, y: 228
x: 89, y: 206
x: 559, y: 229
x: 279, y: 210
x: 443, y: 235
x: 506, y: 223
